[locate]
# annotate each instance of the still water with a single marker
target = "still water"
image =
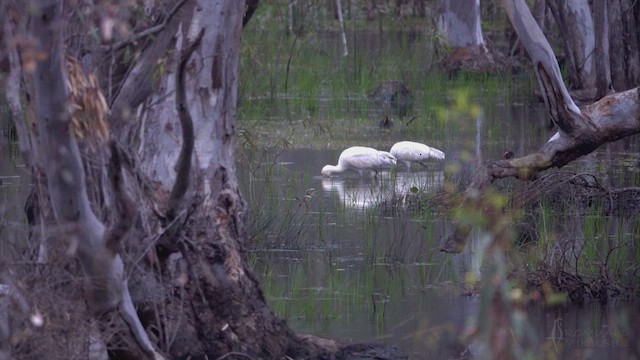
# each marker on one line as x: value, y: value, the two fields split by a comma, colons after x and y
x: 334, y: 261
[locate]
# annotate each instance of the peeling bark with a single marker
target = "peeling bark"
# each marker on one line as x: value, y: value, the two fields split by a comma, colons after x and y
x: 205, y: 226
x: 183, y: 167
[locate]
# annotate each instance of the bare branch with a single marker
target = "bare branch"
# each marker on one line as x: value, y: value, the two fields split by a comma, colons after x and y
x: 147, y: 32
x: 186, y: 151
x: 541, y: 55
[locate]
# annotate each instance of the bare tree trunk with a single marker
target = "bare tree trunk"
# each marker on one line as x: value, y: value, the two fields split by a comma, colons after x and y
x: 290, y: 16
x: 631, y: 45
x: 601, y: 23
x: 97, y: 249
x: 344, y: 35
x: 459, y: 21
x: 616, y: 46
x: 576, y: 25
x: 421, y: 7
x: 371, y: 9
x: 252, y: 5
x: 11, y: 82
x: 203, y: 223
x: 539, y: 13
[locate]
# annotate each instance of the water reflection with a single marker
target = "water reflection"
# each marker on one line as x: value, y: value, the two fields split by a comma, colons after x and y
x: 364, y: 193
x: 364, y: 276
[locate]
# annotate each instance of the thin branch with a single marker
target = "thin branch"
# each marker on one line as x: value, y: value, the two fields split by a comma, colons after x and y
x: 147, y: 32
x: 125, y: 207
x: 184, y: 159
x: 286, y: 77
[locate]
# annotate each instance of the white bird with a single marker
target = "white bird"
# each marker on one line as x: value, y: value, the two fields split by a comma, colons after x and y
x: 362, y: 159
x: 409, y: 151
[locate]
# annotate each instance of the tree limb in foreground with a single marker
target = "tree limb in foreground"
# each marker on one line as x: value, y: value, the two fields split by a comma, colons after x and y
x: 106, y: 286
x: 580, y: 131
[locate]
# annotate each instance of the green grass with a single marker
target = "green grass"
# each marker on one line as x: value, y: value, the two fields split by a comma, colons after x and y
x: 302, y: 81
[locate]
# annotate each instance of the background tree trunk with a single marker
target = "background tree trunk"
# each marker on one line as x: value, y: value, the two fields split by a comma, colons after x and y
x: 601, y: 29
x: 585, y: 30
x: 624, y: 47
x: 616, y: 45
x: 459, y: 22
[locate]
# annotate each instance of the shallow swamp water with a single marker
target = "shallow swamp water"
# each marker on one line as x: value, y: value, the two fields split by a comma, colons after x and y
x: 337, y: 260
x: 353, y: 258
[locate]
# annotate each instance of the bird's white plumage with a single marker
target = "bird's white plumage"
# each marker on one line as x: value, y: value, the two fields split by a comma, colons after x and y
x: 409, y: 151
x: 362, y: 159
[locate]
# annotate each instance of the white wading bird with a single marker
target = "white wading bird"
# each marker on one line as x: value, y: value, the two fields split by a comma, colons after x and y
x: 362, y: 159
x: 409, y: 151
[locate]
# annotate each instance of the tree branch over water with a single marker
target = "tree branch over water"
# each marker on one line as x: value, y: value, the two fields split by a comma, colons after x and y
x: 580, y: 130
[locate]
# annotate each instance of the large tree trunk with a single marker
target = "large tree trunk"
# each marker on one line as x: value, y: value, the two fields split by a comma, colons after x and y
x: 616, y: 44
x: 205, y: 225
x: 182, y: 242
x: 195, y: 208
x: 601, y: 29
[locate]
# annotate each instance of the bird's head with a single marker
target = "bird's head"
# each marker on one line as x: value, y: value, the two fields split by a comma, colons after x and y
x: 508, y: 155
x: 327, y: 170
x: 386, y: 122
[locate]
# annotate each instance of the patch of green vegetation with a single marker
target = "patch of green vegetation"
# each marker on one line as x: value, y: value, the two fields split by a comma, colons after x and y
x: 302, y: 81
